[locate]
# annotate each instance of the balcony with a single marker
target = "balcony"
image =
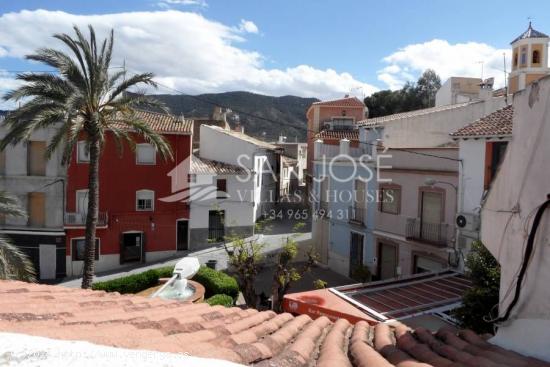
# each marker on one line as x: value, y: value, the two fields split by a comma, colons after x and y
x: 430, y: 233
x: 79, y: 219
x: 356, y: 215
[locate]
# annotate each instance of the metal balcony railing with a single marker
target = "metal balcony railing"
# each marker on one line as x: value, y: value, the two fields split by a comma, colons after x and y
x: 79, y: 219
x: 430, y: 233
x: 356, y: 215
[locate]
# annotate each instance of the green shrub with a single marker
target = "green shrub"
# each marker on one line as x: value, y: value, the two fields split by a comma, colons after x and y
x: 130, y: 284
x: 216, y: 282
x: 165, y: 271
x: 220, y: 299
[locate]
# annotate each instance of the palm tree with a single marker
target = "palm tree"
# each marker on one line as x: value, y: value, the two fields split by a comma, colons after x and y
x: 13, y: 263
x: 82, y: 101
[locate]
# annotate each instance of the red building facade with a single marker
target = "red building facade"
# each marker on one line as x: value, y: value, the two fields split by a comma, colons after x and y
x: 134, y: 225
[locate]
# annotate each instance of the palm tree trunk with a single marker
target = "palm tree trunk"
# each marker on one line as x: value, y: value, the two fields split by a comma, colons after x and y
x: 91, y: 218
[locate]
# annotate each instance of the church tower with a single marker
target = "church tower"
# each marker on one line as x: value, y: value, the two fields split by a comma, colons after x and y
x: 529, y: 59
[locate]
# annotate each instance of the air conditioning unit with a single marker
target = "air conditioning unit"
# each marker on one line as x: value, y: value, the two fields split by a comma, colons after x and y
x: 467, y: 221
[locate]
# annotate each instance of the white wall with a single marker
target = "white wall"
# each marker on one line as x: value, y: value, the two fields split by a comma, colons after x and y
x: 237, y: 212
x: 433, y: 129
x: 522, y: 183
x: 16, y: 181
x: 472, y: 173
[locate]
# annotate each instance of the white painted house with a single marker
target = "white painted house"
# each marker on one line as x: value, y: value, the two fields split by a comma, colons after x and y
x: 219, y: 206
x: 246, y: 169
x: 482, y: 145
x: 39, y: 185
x: 518, y: 195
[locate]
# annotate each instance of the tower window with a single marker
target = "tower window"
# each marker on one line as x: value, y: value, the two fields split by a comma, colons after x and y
x: 536, y: 57
x: 523, y: 56
x: 515, y: 59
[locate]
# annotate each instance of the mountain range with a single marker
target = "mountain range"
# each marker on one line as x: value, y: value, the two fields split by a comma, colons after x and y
x: 265, y: 117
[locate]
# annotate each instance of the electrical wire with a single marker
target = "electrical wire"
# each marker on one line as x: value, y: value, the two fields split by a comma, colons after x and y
x: 526, y: 259
x: 284, y: 123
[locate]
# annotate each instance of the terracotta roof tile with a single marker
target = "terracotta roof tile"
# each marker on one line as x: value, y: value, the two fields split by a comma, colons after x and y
x: 164, y: 123
x: 379, y: 121
x: 206, y: 166
x: 233, y: 334
x: 498, y: 123
x: 341, y: 102
x: 352, y: 135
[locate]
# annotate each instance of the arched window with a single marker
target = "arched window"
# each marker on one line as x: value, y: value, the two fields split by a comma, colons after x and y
x: 515, y: 59
x: 536, y: 57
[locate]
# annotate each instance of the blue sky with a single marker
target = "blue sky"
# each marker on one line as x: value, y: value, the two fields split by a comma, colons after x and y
x: 309, y: 48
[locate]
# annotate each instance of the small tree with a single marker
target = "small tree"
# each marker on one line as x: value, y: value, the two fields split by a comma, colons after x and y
x: 286, y: 274
x: 247, y: 260
x: 480, y: 303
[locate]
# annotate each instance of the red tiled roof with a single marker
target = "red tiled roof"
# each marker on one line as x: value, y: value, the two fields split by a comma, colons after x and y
x: 341, y: 102
x: 206, y: 166
x: 498, y: 123
x: 352, y: 135
x: 242, y: 336
x: 164, y: 123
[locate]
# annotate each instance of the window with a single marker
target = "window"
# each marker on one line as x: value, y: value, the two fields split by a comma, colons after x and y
x: 390, y: 199
x: 36, y: 160
x: 78, y: 249
x: 192, y: 178
x: 82, y: 201
x: 36, y: 209
x: 216, y: 225
x: 523, y: 56
x: 145, y: 154
x: 424, y: 264
x: 83, y: 153
x: 536, y: 57
x: 342, y: 123
x: 145, y: 200
x: 221, y: 185
x: 515, y: 59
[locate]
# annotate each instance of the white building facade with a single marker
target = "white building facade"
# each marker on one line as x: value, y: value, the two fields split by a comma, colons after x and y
x: 39, y: 185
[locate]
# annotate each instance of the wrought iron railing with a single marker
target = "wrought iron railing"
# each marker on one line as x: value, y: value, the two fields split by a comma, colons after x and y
x: 431, y: 233
x: 79, y: 219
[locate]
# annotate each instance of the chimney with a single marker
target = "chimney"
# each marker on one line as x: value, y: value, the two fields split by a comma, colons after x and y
x: 282, y: 139
x: 344, y: 147
x: 317, y: 148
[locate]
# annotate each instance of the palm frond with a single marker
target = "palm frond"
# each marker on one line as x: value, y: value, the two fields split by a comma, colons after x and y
x: 14, y: 264
x: 142, y: 128
x: 144, y: 78
x: 9, y: 205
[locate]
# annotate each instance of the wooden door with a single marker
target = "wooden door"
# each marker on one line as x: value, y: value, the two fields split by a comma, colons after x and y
x: 387, y: 260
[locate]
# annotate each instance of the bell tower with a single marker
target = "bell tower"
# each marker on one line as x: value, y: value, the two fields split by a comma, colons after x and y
x: 529, y: 59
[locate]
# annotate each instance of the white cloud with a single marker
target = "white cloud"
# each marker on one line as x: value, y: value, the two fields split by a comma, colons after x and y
x: 168, y: 3
x: 185, y: 50
x: 460, y: 59
x: 248, y: 26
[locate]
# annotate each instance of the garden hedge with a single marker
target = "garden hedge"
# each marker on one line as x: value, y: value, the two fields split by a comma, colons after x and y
x: 129, y: 284
x: 217, y: 282
x: 220, y: 299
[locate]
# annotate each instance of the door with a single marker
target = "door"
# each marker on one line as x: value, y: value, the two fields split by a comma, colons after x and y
x: 387, y: 259
x: 47, y: 260
x: 216, y: 226
x: 356, y: 253
x: 182, y: 235
x: 430, y: 215
x: 132, y: 246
